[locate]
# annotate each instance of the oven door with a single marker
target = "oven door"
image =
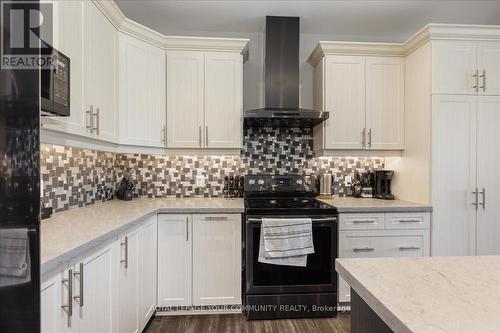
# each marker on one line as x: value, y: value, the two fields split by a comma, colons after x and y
x: 318, y: 276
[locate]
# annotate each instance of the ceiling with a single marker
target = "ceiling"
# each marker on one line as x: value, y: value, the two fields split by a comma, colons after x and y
x: 389, y: 21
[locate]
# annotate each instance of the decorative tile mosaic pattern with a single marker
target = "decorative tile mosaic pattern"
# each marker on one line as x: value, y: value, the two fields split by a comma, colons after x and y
x: 74, y: 177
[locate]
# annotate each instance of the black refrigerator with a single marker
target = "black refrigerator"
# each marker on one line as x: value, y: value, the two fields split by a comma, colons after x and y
x: 19, y: 197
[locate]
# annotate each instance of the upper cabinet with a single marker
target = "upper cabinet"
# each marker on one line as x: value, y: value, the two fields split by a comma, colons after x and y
x: 100, y: 46
x: 141, y: 102
x: 365, y: 98
x: 466, y: 67
x: 204, y: 99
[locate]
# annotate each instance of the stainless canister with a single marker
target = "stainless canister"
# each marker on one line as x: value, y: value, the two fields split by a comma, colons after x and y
x: 325, y: 184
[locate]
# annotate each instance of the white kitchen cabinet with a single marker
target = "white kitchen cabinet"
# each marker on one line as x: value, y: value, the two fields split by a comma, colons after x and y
x: 141, y: 103
x: 148, y: 274
x: 344, y: 97
x: 488, y: 64
x: 129, y: 277
x: 100, y: 291
x: 67, y: 38
x: 454, y: 134
x: 365, y: 96
x: 223, y: 99
x: 488, y: 159
x: 217, y: 259
x: 185, y: 99
x: 466, y: 67
x: 385, y: 102
x: 376, y: 235
x: 54, y: 294
x: 204, y: 99
x: 100, y: 45
x: 174, y: 259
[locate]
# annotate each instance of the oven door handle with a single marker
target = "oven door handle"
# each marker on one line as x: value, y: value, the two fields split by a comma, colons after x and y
x: 325, y: 219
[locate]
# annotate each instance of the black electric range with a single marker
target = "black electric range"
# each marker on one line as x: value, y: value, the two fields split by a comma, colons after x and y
x: 276, y: 291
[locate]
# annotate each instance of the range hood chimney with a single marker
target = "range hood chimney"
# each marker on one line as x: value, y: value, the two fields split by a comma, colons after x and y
x: 282, y: 78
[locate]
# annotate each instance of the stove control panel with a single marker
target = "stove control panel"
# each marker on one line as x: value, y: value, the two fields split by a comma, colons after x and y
x: 279, y: 183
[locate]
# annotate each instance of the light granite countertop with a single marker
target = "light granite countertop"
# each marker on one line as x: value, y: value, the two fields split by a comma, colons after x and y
x: 432, y: 294
x: 369, y: 205
x: 70, y: 234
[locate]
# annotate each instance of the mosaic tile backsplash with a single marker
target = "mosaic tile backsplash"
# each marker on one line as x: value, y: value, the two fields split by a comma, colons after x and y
x: 74, y: 177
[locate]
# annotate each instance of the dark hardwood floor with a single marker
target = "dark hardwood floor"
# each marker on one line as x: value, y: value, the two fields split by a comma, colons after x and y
x: 236, y: 323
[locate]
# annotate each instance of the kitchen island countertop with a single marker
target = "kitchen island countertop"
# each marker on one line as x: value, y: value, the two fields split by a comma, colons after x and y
x: 430, y: 294
x: 67, y: 235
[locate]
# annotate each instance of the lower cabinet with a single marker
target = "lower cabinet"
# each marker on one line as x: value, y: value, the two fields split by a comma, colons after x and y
x: 199, y: 259
x: 110, y: 290
x: 382, y: 235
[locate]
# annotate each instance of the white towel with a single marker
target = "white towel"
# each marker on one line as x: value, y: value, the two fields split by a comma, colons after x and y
x: 14, y: 257
x: 286, y: 241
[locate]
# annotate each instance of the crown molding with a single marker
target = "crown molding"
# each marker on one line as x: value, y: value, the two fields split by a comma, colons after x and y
x: 432, y: 31
x: 132, y: 28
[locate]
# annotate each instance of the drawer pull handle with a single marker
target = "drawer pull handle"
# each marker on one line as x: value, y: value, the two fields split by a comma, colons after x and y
x: 363, y: 221
x: 216, y: 218
x: 409, y: 248
x: 409, y: 221
x: 363, y: 249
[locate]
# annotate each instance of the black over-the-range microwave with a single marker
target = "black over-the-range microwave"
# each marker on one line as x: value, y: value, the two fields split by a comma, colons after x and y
x: 55, y: 84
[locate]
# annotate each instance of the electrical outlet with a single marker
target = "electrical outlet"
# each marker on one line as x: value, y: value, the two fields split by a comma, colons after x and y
x: 200, y: 181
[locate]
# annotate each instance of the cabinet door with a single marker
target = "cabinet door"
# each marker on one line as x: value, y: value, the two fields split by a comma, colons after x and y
x: 489, y: 68
x: 345, y: 100
x: 128, y: 295
x: 174, y: 260
x: 141, y: 93
x: 453, y: 174
x: 99, y: 311
x: 148, y: 270
x: 217, y: 259
x: 385, y: 102
x: 488, y: 159
x: 185, y: 99
x: 453, y: 65
x: 54, y: 319
x: 68, y: 36
x: 223, y: 100
x: 100, y: 63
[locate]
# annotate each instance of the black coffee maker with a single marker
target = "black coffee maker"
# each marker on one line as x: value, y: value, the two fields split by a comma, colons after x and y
x: 382, y: 184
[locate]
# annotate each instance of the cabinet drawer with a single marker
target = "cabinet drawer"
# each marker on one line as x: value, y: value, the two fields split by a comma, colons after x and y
x: 360, y: 245
x: 361, y: 221
x: 407, y: 221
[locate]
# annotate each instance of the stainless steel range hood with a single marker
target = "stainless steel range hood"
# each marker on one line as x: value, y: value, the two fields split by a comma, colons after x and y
x: 282, y: 79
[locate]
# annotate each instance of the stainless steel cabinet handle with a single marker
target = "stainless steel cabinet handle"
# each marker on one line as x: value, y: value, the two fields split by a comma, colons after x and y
x: 363, y: 137
x: 409, y: 248
x: 409, y: 221
x: 476, y: 201
x: 97, y: 117
x: 362, y: 221
x: 484, y: 81
x: 90, y: 115
x: 199, y: 136
x: 363, y: 249
x: 216, y: 218
x: 476, y: 77
x: 370, y: 138
x: 125, y: 243
x: 187, y: 229
x: 163, y: 134
x: 483, y: 194
x: 206, y: 136
x: 69, y: 281
x: 80, y: 276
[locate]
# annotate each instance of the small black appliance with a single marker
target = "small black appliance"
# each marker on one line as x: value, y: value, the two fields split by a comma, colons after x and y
x: 382, y: 184
x: 55, y: 84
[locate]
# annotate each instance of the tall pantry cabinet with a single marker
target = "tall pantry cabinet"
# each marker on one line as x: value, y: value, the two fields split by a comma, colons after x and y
x: 452, y: 152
